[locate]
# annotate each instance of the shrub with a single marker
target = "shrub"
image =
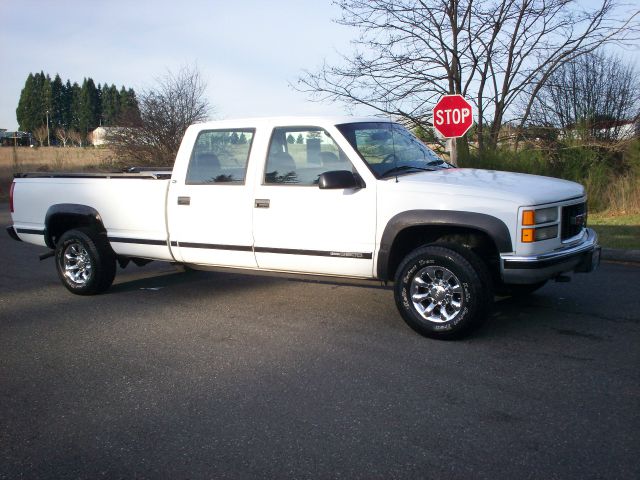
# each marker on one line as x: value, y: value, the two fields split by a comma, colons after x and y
x: 611, y: 175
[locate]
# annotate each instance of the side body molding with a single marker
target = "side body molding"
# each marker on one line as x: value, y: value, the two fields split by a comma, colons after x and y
x: 492, y: 226
x: 76, y: 214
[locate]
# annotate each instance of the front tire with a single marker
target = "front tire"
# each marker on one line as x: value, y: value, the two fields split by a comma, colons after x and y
x: 85, y: 262
x: 442, y: 292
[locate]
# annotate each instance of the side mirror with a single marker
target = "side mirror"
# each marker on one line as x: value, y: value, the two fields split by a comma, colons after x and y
x: 338, y: 179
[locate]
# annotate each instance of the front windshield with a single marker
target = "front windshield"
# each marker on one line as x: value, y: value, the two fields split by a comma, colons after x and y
x: 389, y: 149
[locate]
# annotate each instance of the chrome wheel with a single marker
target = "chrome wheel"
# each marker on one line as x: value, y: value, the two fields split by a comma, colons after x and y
x: 436, y: 294
x: 77, y: 264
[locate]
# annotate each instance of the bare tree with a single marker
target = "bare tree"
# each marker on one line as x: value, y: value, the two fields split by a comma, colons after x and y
x: 176, y: 101
x: 410, y: 52
x: 593, y: 96
x: 76, y: 137
x: 41, y: 135
x: 62, y: 134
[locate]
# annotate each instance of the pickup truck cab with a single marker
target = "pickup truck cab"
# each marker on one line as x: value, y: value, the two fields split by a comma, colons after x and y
x: 343, y: 197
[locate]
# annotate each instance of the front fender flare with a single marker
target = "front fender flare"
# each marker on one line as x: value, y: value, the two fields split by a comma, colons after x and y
x: 492, y: 226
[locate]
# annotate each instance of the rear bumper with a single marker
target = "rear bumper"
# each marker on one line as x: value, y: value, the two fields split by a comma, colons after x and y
x: 12, y: 233
x: 583, y: 257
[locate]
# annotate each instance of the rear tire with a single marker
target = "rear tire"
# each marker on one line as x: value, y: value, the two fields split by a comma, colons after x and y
x: 443, y: 291
x: 85, y: 262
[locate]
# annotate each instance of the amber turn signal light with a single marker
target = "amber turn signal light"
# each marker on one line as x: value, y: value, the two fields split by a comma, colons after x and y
x: 528, y: 235
x: 528, y: 218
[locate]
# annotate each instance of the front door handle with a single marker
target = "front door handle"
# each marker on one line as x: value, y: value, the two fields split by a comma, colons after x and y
x: 184, y: 200
x: 262, y: 203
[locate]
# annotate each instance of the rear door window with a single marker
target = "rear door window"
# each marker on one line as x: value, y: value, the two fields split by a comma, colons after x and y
x: 220, y: 157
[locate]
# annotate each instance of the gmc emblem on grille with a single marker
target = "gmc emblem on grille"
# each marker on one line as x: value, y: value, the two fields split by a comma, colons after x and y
x: 579, y: 220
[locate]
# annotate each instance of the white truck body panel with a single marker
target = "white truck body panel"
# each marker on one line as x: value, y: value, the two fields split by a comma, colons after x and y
x: 304, y: 229
x: 129, y: 208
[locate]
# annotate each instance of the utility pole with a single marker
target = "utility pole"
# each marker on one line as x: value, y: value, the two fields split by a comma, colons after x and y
x: 48, y: 139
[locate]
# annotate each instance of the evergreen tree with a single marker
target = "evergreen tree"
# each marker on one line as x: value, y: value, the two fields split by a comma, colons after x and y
x: 234, y: 138
x: 299, y: 140
x: 75, y: 106
x: 56, y: 116
x: 290, y: 139
x: 67, y: 103
x: 35, y: 99
x: 110, y: 105
x: 89, y: 107
x: 243, y: 139
x: 24, y: 112
x: 129, y: 111
x: 70, y: 106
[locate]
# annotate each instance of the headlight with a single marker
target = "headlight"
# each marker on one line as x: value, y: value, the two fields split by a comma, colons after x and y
x: 536, y: 217
x: 542, y: 216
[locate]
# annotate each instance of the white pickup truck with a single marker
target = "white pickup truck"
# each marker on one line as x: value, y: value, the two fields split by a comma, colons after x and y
x: 343, y: 197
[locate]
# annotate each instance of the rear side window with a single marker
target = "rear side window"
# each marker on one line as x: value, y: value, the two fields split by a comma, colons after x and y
x: 299, y: 155
x: 220, y: 157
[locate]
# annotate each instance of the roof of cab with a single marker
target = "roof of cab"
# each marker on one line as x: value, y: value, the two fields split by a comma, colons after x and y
x: 289, y: 121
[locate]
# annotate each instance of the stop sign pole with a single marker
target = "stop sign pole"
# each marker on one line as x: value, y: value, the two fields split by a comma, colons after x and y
x: 452, y: 118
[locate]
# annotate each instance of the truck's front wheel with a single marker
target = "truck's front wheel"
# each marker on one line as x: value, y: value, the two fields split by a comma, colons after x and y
x: 85, y: 262
x: 442, y: 292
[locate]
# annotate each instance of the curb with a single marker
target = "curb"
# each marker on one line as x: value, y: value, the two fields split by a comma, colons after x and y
x: 620, y: 255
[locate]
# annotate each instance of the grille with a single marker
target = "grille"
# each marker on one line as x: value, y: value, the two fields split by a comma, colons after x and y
x: 574, y: 219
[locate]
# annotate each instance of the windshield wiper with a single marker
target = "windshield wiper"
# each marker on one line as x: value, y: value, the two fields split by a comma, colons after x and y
x: 401, y: 168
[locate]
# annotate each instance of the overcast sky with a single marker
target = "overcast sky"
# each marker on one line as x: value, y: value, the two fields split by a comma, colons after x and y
x: 248, y: 51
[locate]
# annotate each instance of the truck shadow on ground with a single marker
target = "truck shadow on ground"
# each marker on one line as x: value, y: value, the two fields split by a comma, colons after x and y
x: 146, y: 280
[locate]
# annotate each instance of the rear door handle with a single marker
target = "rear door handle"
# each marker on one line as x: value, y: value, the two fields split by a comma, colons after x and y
x: 184, y: 200
x: 262, y: 203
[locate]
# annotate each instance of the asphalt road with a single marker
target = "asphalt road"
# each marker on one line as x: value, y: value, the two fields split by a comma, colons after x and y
x: 208, y: 375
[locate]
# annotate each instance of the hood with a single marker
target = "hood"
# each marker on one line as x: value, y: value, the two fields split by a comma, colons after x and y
x: 522, y: 188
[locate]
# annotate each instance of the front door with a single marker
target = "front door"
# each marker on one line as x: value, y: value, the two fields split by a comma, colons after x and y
x: 299, y: 227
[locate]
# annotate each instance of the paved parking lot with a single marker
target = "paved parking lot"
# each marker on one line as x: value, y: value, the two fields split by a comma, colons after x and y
x: 209, y: 375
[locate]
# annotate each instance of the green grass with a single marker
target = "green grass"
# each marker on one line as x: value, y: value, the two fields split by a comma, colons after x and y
x: 619, y: 231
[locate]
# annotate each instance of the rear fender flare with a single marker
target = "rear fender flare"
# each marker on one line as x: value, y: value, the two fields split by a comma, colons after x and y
x: 76, y: 214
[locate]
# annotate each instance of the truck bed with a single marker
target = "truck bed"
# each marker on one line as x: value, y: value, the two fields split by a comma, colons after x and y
x: 131, y: 206
x: 135, y: 172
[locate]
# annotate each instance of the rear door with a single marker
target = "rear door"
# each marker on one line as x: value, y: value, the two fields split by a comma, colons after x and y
x: 210, y: 207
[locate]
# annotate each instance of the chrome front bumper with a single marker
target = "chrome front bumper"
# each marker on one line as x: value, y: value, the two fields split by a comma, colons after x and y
x: 583, y: 257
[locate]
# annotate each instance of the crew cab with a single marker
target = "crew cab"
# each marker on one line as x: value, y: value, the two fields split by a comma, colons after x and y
x: 338, y: 197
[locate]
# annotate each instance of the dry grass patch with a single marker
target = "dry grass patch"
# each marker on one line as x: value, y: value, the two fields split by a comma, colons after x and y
x: 51, y: 159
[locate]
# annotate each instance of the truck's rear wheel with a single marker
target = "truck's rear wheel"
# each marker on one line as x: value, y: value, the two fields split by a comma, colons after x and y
x: 85, y: 262
x: 442, y: 292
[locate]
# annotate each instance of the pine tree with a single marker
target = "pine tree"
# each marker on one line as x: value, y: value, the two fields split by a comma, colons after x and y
x: 129, y: 111
x: 299, y: 140
x: 89, y: 107
x: 110, y: 105
x: 24, y: 110
x: 67, y: 104
x: 75, y: 106
x: 70, y: 106
x: 290, y: 139
x: 56, y: 116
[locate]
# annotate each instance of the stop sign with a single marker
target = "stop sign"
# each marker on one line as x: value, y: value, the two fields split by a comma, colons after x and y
x: 452, y: 116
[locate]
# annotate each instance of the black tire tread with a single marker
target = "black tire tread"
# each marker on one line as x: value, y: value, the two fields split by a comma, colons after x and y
x: 104, y: 270
x: 473, y: 266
